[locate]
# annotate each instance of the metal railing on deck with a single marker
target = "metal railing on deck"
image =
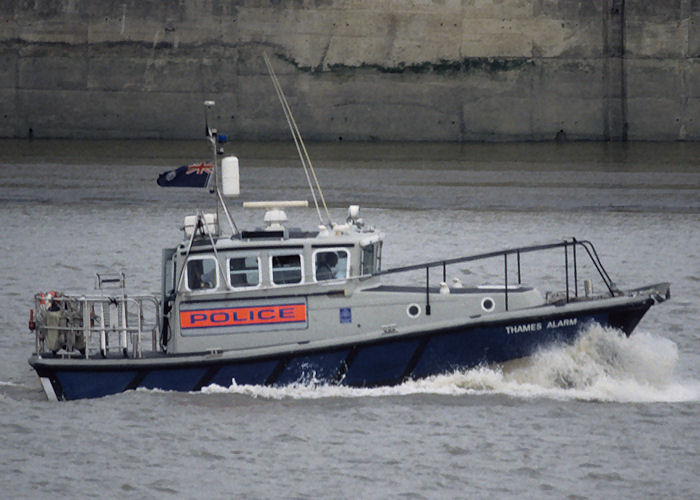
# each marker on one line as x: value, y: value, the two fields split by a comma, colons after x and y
x: 572, y: 244
x: 79, y: 324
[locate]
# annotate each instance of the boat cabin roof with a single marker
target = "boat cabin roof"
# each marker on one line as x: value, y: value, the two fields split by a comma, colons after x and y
x: 265, y: 258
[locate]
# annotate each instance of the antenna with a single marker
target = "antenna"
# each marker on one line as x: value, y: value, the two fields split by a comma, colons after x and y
x: 214, y: 184
x: 299, y: 143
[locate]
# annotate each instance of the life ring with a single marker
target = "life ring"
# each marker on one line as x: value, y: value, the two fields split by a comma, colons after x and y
x: 47, y: 297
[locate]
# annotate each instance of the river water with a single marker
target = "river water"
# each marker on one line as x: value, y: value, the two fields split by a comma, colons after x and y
x: 608, y: 416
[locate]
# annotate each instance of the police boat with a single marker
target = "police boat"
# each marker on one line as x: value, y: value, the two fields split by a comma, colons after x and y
x: 276, y: 305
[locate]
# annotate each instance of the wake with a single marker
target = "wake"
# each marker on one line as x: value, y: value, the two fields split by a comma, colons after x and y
x: 603, y: 365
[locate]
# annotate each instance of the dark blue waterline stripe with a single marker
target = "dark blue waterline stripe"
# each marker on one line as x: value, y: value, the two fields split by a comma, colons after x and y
x: 345, y: 365
x: 136, y: 381
x: 57, y: 387
x: 272, y: 378
x: 207, y: 377
x: 410, y: 366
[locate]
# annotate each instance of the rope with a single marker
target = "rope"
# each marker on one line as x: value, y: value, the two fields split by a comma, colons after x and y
x: 299, y: 143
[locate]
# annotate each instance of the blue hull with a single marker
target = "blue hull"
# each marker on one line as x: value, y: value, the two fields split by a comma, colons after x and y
x: 381, y: 362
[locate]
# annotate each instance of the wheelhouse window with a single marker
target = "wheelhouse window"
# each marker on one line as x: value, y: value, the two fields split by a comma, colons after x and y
x: 371, y: 259
x: 331, y: 264
x: 244, y: 271
x: 201, y: 274
x: 286, y: 269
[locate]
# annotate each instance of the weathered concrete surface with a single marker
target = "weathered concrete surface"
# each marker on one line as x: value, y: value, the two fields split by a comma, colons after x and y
x: 449, y: 70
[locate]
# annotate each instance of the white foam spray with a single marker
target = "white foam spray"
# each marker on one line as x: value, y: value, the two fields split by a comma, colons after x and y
x: 602, y: 365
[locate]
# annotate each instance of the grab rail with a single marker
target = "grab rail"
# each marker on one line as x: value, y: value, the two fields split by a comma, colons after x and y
x: 573, y: 242
x: 69, y: 322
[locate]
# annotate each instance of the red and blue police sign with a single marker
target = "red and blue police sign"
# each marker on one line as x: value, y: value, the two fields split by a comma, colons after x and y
x: 243, y: 316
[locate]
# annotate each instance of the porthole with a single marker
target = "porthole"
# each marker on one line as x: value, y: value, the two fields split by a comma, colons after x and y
x: 487, y: 304
x: 413, y: 310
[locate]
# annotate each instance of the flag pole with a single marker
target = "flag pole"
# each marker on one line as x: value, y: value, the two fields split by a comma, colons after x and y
x: 214, y: 185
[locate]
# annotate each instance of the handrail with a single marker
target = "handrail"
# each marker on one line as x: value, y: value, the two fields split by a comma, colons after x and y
x: 573, y: 242
x: 80, y: 316
x: 469, y: 258
x: 598, y: 265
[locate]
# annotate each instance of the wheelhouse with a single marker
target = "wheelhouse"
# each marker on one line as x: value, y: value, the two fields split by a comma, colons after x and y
x: 263, y: 266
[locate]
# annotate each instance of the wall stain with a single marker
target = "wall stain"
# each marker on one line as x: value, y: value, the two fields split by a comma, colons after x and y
x: 443, y: 66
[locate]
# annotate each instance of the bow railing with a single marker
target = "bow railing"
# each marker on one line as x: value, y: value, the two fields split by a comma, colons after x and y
x: 569, y: 246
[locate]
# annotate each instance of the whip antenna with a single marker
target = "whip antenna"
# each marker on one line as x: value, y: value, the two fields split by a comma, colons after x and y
x: 299, y: 143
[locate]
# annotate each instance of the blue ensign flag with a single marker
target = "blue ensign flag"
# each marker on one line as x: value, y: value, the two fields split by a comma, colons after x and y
x: 186, y: 176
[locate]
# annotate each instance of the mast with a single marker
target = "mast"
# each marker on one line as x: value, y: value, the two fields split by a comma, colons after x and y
x: 299, y: 143
x: 215, y: 181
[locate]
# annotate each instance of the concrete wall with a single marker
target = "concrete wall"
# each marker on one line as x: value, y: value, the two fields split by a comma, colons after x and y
x: 444, y: 70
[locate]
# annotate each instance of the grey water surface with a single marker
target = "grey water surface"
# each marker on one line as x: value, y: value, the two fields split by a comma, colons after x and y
x: 606, y: 417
